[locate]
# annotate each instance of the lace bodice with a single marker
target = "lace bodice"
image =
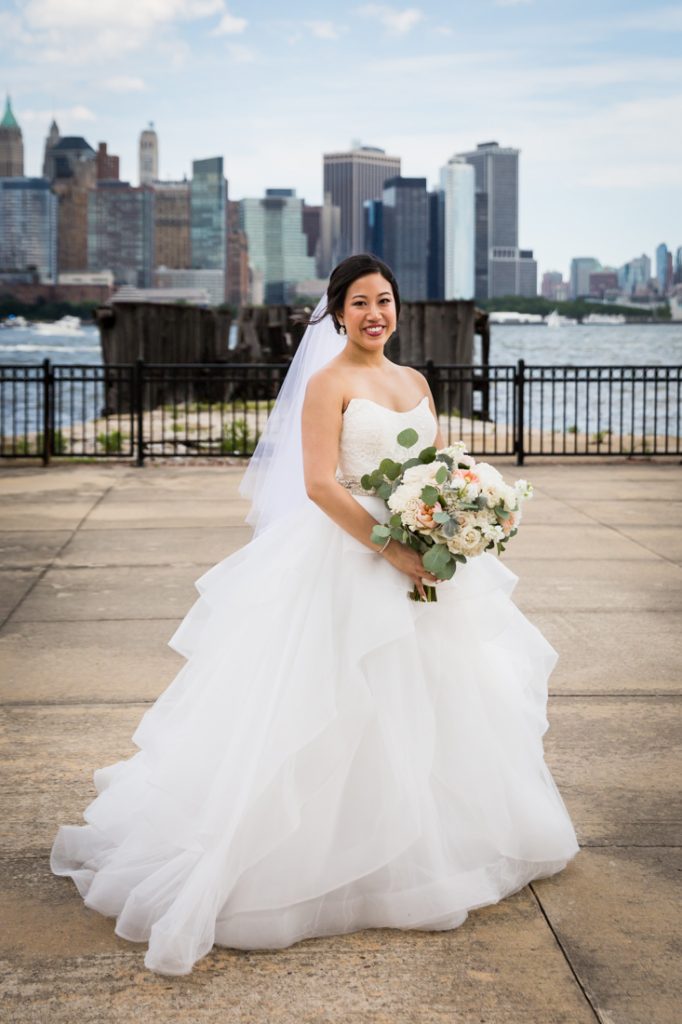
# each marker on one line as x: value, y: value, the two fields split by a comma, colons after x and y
x: 369, y: 432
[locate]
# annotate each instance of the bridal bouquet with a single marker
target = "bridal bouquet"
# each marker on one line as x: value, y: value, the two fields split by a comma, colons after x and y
x: 446, y: 506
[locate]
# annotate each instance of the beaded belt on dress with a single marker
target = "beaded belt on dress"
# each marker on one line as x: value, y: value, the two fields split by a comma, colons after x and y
x: 352, y: 484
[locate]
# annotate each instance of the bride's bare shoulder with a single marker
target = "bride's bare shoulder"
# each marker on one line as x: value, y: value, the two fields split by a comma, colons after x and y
x: 327, y: 385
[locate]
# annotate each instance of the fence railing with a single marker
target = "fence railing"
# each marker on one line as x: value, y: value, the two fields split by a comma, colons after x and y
x: 147, y: 411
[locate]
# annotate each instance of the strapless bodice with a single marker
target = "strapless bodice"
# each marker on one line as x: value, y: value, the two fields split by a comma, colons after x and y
x: 369, y: 432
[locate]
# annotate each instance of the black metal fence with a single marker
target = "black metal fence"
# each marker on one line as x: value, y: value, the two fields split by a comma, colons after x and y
x: 146, y: 411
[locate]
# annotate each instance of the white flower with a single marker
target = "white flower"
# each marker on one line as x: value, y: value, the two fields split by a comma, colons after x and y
x: 423, y: 474
x: 455, y: 451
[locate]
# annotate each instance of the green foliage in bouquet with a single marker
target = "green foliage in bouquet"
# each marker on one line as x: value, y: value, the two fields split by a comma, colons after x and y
x: 437, y: 556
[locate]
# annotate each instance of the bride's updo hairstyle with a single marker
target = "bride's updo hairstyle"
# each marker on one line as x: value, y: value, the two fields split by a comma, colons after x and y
x: 343, y: 276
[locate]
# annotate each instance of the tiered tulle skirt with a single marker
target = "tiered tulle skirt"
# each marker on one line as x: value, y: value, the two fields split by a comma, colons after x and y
x: 332, y: 756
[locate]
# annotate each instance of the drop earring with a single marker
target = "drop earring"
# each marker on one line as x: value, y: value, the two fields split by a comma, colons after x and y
x: 342, y: 329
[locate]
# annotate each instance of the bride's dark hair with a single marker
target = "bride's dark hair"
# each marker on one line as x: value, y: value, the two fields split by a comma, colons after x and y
x: 350, y: 270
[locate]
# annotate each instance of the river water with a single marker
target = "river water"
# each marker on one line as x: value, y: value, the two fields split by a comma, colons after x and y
x: 566, y: 345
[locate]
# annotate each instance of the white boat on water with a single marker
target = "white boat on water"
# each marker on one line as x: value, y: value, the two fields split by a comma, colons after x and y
x: 67, y: 325
x: 14, y: 321
x: 604, y: 318
x: 555, y: 319
x: 512, y: 317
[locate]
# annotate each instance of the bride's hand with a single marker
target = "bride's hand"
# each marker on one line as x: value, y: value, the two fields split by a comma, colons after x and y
x: 408, y: 561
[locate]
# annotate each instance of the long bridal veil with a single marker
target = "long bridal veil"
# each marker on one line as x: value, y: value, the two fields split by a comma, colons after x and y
x: 274, y: 477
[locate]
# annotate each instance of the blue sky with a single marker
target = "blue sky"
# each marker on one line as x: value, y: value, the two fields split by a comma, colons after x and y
x: 591, y: 93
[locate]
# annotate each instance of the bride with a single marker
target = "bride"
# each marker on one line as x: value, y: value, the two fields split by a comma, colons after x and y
x: 332, y: 756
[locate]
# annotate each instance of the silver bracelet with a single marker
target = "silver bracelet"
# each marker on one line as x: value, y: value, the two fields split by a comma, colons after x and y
x: 387, y: 542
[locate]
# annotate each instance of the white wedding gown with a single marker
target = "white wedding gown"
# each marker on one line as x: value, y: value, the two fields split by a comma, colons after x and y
x: 332, y: 756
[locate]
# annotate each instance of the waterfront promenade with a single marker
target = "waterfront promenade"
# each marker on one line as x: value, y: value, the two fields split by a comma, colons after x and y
x: 98, y: 565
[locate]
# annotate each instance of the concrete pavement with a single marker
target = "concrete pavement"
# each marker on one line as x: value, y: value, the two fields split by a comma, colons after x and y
x: 98, y: 566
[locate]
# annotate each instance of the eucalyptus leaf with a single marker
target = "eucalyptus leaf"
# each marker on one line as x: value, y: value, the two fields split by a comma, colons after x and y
x: 442, y: 517
x: 379, y: 533
x: 482, y: 501
x: 450, y: 528
x: 447, y: 459
x: 411, y: 462
x: 384, y: 490
x: 408, y: 437
x: 427, y: 454
x: 395, y: 519
x: 502, y: 514
x: 446, y: 571
x: 436, y: 558
x: 389, y: 468
x: 377, y: 478
x: 366, y: 482
x: 429, y: 495
x: 442, y: 475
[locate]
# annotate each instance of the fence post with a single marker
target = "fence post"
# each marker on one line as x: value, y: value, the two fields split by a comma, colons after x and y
x: 139, y: 409
x: 47, y: 412
x: 519, y: 382
x: 433, y: 382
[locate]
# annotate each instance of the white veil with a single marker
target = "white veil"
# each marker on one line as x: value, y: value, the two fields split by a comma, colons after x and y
x: 274, y: 477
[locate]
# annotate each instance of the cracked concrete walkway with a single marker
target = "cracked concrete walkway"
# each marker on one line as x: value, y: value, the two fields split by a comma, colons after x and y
x: 98, y: 566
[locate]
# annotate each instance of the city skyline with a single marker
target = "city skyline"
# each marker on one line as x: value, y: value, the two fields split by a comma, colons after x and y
x: 586, y: 99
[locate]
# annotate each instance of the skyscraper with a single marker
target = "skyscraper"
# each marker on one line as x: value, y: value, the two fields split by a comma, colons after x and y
x: 458, y: 184
x: 171, y: 224
x: 497, y: 223
x: 107, y: 164
x: 633, y: 276
x: 28, y: 227
x: 50, y: 142
x: 350, y: 179
x: 149, y: 155
x: 278, y: 245
x: 11, y: 145
x: 662, y: 268
x: 121, y: 232
x: 72, y: 164
x: 406, y: 234
x: 208, y: 215
x: 237, y: 258
x: 581, y: 268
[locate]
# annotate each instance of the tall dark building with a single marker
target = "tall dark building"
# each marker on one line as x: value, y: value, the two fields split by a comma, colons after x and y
x: 69, y: 153
x: 121, y: 232
x: 48, y: 160
x: 208, y: 215
x: 107, y: 164
x: 28, y: 226
x: 435, y: 277
x: 171, y: 224
x: 497, y: 220
x: 350, y: 179
x: 406, y: 234
x: 11, y: 145
x: 374, y: 227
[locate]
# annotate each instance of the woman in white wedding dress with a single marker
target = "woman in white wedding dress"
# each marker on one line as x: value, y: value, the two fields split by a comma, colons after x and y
x: 332, y: 756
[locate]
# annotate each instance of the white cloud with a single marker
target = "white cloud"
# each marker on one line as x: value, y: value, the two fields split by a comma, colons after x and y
x: 92, y: 31
x: 324, y: 29
x: 396, y: 21
x: 77, y: 113
x: 229, y: 25
x: 111, y: 14
x: 124, y: 83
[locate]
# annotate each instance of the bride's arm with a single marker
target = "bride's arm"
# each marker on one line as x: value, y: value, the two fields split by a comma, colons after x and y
x: 321, y: 432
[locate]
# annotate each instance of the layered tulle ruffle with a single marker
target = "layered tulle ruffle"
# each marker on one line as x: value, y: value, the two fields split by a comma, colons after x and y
x: 332, y: 756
